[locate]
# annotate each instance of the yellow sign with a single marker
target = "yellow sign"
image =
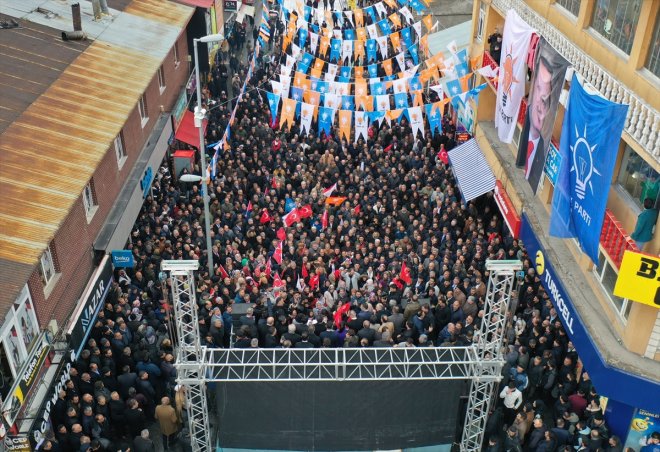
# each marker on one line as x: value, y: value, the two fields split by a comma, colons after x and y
x: 639, y: 279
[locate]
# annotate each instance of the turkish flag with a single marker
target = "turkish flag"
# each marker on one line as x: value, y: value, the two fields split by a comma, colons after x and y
x: 357, y: 209
x: 291, y: 218
x: 314, y: 281
x: 268, y: 270
x: 277, y: 282
x: 324, y: 219
x: 223, y: 272
x: 405, y: 274
x: 273, y: 183
x: 305, y: 211
x: 277, y: 255
x: 340, y: 312
x: 442, y: 155
x: 265, y: 218
x: 281, y: 234
x: 328, y: 191
x: 304, y: 272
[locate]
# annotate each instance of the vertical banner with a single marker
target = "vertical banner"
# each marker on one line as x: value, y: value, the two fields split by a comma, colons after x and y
x: 588, y: 148
x: 513, y: 68
x: 547, y: 83
x: 361, y: 126
x: 644, y: 428
x: 345, y: 120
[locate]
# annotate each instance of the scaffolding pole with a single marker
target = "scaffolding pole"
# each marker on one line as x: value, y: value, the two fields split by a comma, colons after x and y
x: 190, y: 359
x: 488, y: 349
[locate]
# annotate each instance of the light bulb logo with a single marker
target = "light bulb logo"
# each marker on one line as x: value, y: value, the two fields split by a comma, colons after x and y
x: 583, y: 163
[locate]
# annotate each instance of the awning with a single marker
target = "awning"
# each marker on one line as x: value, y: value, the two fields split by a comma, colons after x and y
x: 187, y: 132
x: 246, y: 10
x: 461, y: 34
x: 200, y: 3
x: 471, y: 170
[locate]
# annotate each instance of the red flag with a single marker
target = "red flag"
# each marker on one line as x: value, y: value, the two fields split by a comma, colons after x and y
x: 337, y: 274
x: 328, y: 191
x: 249, y: 207
x: 281, y: 234
x: 265, y: 218
x: 324, y: 219
x: 277, y: 282
x: 357, y: 209
x: 397, y: 282
x: 291, y: 218
x: 314, y: 281
x: 405, y: 274
x: 442, y: 155
x: 268, y: 270
x: 305, y: 211
x: 304, y: 272
x: 223, y: 272
x: 277, y: 255
x: 340, y: 312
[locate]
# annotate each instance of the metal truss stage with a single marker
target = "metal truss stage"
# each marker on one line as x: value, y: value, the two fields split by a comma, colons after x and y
x: 480, y: 363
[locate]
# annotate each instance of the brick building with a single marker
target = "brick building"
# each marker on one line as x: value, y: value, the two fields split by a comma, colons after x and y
x: 85, y: 125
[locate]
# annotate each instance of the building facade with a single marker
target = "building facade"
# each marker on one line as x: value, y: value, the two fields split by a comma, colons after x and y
x: 615, y: 46
x: 93, y: 133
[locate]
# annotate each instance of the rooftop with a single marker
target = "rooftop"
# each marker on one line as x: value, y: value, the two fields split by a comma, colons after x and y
x: 62, y: 130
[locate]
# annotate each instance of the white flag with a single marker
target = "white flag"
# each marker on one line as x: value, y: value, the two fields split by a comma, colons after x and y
x: 295, y: 51
x: 306, y: 115
x: 452, y: 47
x: 416, y: 120
x: 380, y: 8
x: 347, y: 50
x: 418, y: 29
x: 383, y: 102
x: 349, y: 16
x: 401, y: 59
x: 373, y: 32
x: 488, y: 71
x: 276, y: 87
x: 407, y: 14
x: 313, y: 41
x: 511, y: 87
x: 438, y: 89
x: 361, y: 126
x: 399, y: 85
x: 382, y: 44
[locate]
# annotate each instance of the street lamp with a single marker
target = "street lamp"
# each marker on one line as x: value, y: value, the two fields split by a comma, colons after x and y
x: 200, y: 114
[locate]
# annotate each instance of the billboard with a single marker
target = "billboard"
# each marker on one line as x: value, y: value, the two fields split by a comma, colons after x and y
x: 546, y: 85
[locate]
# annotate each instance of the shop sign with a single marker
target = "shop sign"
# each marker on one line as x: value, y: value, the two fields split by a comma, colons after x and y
x: 509, y: 213
x: 231, y: 5
x: 179, y: 108
x: 123, y: 259
x: 552, y: 163
x: 643, y: 426
x: 639, y: 278
x: 17, y: 444
x: 27, y: 379
x: 145, y: 182
x: 42, y: 423
x: 92, y: 305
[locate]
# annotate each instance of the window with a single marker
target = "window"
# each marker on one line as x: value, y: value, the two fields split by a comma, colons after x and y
x: 47, y: 267
x: 606, y: 275
x: 89, y: 200
x: 481, y: 22
x: 161, y: 79
x: 638, y: 178
x: 120, y: 152
x: 175, y: 50
x: 142, y: 107
x: 572, y: 6
x: 653, y: 63
x: 616, y: 21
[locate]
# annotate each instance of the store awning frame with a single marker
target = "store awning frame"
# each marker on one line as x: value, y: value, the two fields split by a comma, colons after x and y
x: 198, y: 3
x: 471, y: 170
x: 187, y: 132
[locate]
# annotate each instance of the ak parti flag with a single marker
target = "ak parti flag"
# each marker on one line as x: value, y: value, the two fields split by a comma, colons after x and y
x: 405, y: 274
x: 265, y: 217
x: 335, y: 200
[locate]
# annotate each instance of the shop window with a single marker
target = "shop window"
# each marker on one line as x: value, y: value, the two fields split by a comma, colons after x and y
x: 89, y: 200
x: 572, y: 6
x: 606, y: 274
x: 638, y: 178
x: 120, y: 151
x: 616, y: 21
x: 482, y: 21
x: 653, y: 63
x: 47, y: 269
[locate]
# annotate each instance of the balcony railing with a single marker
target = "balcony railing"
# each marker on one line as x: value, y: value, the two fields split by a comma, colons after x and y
x: 642, y: 122
x: 614, y: 239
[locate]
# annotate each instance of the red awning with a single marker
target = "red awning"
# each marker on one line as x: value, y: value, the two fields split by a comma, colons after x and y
x: 200, y: 3
x: 187, y: 132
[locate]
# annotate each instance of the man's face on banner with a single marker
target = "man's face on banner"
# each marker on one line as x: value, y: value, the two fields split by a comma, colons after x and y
x: 541, y: 101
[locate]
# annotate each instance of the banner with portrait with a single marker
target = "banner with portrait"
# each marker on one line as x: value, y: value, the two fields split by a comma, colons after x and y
x: 547, y: 82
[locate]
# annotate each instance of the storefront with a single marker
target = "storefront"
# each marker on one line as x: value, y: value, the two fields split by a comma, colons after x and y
x: 627, y: 394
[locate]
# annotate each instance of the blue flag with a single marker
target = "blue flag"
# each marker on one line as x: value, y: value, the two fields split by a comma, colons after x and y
x: 401, y: 100
x: 375, y: 115
x: 296, y: 93
x: 373, y: 70
x: 326, y: 116
x: 407, y: 37
x: 347, y: 103
x: 303, y: 65
x: 335, y: 49
x: 372, y: 54
x: 588, y: 148
x: 378, y: 89
x: 289, y: 205
x: 273, y: 103
x: 418, y: 6
x: 302, y: 35
x: 322, y: 86
x: 434, y: 117
x: 349, y: 34
x: 414, y: 53
x: 307, y: 11
x: 372, y: 13
x: 414, y: 83
x: 384, y: 26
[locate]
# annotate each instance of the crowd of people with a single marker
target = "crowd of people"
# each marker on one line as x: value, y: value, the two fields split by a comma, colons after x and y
x: 395, y: 203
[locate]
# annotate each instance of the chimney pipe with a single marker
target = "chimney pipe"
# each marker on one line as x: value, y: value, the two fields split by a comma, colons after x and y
x: 77, y: 35
x: 77, y: 20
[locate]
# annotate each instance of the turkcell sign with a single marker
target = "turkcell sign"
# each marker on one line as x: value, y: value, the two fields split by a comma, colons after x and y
x: 123, y: 259
x: 611, y: 381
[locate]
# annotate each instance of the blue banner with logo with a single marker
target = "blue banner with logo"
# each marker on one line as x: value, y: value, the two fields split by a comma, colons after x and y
x: 123, y: 259
x: 371, y: 50
x: 326, y: 117
x: 588, y: 149
x: 273, y: 103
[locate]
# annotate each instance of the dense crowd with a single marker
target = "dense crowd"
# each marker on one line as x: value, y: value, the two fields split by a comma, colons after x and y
x: 341, y: 267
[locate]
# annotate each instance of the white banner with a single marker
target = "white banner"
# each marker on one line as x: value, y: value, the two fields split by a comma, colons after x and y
x: 383, y: 102
x: 306, y: 116
x: 400, y: 85
x: 416, y: 120
x: 347, y: 51
x: 313, y: 41
x: 373, y: 32
x: 513, y: 64
x: 401, y: 59
x: 418, y: 29
x: 361, y: 126
x: 382, y: 43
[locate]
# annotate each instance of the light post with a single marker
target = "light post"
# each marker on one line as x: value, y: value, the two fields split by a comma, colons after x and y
x: 200, y: 114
